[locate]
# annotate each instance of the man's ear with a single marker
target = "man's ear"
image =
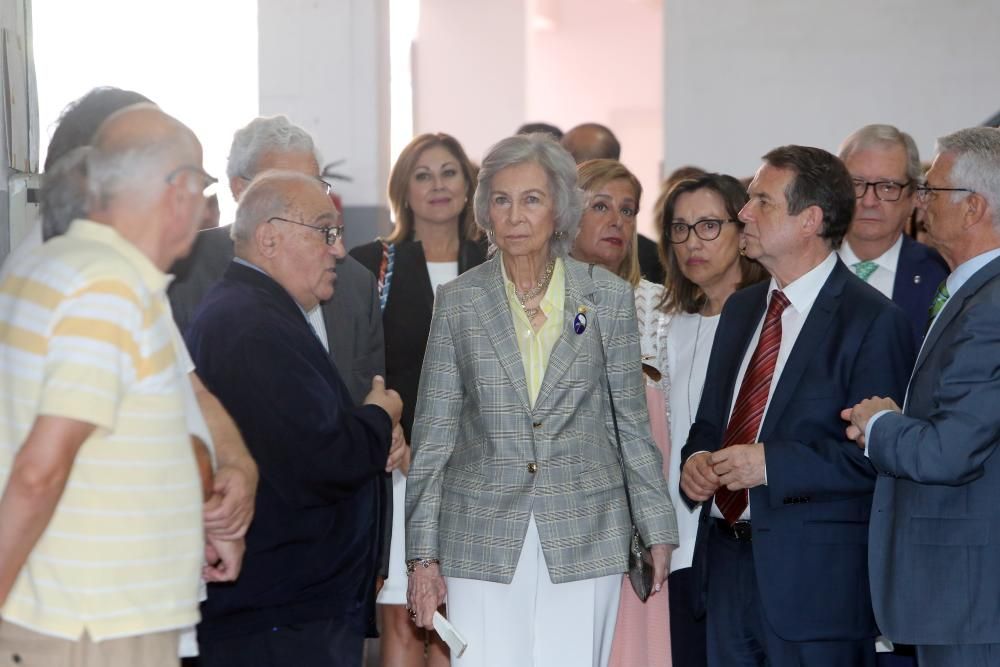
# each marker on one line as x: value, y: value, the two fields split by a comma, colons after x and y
x: 267, y: 239
x: 811, y: 220
x: 975, y: 211
x: 236, y: 186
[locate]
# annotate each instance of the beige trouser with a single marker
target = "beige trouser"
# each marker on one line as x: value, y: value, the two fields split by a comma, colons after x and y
x: 24, y: 648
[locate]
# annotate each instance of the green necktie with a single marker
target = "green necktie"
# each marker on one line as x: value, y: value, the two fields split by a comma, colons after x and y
x: 940, y: 298
x: 864, y: 269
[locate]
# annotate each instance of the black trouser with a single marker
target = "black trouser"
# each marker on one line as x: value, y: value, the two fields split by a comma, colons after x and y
x: 328, y: 643
x: 687, y: 633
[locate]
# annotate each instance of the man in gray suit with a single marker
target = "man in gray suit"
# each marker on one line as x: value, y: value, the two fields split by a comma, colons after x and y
x: 349, y: 325
x: 934, y: 542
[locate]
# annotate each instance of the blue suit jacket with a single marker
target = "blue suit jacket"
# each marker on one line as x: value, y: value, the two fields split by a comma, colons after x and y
x: 810, y: 522
x: 919, y: 271
x: 935, y: 527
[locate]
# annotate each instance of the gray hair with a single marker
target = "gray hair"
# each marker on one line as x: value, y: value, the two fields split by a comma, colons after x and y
x: 560, y: 169
x: 266, y: 197
x: 137, y: 165
x: 977, y: 164
x: 264, y: 135
x: 879, y: 135
x: 63, y: 195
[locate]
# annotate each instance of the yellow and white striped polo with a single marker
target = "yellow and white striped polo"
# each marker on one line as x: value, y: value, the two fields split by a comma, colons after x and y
x: 85, y: 334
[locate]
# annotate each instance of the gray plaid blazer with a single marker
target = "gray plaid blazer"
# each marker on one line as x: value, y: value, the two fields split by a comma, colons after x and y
x: 484, y: 459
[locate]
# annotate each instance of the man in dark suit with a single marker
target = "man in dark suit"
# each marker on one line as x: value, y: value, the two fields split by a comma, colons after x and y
x: 349, y: 325
x: 885, y: 167
x: 935, y: 526
x: 306, y: 593
x: 781, y: 565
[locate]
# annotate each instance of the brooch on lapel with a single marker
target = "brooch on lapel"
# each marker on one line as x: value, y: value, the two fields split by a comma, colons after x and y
x: 580, y: 321
x: 916, y: 280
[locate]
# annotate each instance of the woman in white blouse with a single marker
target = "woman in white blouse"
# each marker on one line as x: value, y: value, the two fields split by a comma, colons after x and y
x: 700, y: 247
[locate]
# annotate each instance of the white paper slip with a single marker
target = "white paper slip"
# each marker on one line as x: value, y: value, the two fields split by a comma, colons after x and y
x: 450, y: 635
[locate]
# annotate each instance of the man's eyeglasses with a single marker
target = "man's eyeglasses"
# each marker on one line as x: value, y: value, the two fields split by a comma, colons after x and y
x: 707, y: 230
x: 209, y: 182
x: 884, y: 190
x: 331, y: 234
x: 925, y: 192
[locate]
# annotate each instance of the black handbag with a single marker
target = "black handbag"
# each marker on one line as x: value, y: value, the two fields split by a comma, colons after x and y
x: 640, y: 561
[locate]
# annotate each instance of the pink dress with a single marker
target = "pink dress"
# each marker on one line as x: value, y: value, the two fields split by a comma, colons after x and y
x: 642, y: 632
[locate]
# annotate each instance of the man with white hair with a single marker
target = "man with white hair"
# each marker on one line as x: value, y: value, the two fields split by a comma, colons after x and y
x: 934, y: 541
x: 306, y: 592
x: 885, y: 167
x: 101, y: 533
x: 349, y: 324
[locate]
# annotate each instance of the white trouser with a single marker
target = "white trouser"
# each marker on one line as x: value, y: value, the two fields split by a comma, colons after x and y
x: 532, y: 622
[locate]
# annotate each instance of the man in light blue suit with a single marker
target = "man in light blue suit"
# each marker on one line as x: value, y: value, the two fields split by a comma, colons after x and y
x: 934, y: 544
x: 885, y: 167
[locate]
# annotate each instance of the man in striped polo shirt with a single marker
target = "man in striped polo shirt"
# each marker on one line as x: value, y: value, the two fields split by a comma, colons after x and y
x: 101, y: 536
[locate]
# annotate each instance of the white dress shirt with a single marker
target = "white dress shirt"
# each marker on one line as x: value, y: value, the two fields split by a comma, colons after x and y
x: 882, y: 278
x: 801, y: 294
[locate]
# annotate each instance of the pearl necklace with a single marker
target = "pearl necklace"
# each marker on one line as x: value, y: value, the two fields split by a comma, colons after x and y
x: 543, y: 283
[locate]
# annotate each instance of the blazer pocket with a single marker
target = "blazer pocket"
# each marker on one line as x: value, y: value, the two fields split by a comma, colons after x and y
x: 949, y: 532
x: 600, y: 479
x: 836, y: 532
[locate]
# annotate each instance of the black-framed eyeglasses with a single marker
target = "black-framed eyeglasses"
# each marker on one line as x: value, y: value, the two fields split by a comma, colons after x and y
x: 884, y: 190
x: 326, y: 186
x: 925, y: 192
x: 209, y: 182
x: 331, y: 234
x: 707, y: 229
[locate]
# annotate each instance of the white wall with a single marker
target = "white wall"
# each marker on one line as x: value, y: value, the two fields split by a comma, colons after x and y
x: 743, y: 77
x: 469, y: 71
x: 325, y: 65
x: 600, y: 62
x: 482, y: 68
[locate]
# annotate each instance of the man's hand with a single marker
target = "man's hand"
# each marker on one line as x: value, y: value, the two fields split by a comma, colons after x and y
x: 661, y: 564
x: 399, y: 452
x: 698, y: 481
x: 387, y: 399
x: 861, y: 414
x: 739, y: 466
x: 229, y: 511
x: 223, y: 559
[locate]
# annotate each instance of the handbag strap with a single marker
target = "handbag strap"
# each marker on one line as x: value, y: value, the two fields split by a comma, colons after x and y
x: 614, y: 415
x: 385, y: 270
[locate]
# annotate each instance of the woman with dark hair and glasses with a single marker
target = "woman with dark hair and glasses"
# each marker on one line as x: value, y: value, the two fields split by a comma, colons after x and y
x: 702, y: 253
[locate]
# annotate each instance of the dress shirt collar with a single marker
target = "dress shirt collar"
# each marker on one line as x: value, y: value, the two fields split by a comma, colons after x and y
x: 886, y: 261
x: 802, y: 291
x: 968, y: 268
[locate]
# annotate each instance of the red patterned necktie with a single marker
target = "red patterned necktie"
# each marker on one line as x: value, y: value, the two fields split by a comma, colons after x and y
x: 749, y: 409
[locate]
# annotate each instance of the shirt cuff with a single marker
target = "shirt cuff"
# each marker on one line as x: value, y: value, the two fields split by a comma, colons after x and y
x: 868, y: 429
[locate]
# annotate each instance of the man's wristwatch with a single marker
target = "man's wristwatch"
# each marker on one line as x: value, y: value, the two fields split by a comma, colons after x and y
x: 412, y: 564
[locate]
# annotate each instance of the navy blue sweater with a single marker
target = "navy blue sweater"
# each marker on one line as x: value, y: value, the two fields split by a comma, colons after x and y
x: 312, y: 546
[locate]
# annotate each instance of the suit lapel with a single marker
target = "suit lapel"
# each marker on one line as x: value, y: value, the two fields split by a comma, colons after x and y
x: 494, y: 313
x: 814, y: 329
x: 954, y: 307
x: 579, y: 293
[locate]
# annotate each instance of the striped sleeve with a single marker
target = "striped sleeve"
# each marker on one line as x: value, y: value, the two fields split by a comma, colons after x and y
x: 94, y: 353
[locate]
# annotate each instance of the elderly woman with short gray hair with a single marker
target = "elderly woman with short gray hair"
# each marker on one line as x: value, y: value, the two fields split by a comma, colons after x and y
x: 516, y: 507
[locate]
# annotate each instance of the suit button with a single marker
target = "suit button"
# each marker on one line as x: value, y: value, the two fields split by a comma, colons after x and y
x: 536, y: 424
x: 532, y: 467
